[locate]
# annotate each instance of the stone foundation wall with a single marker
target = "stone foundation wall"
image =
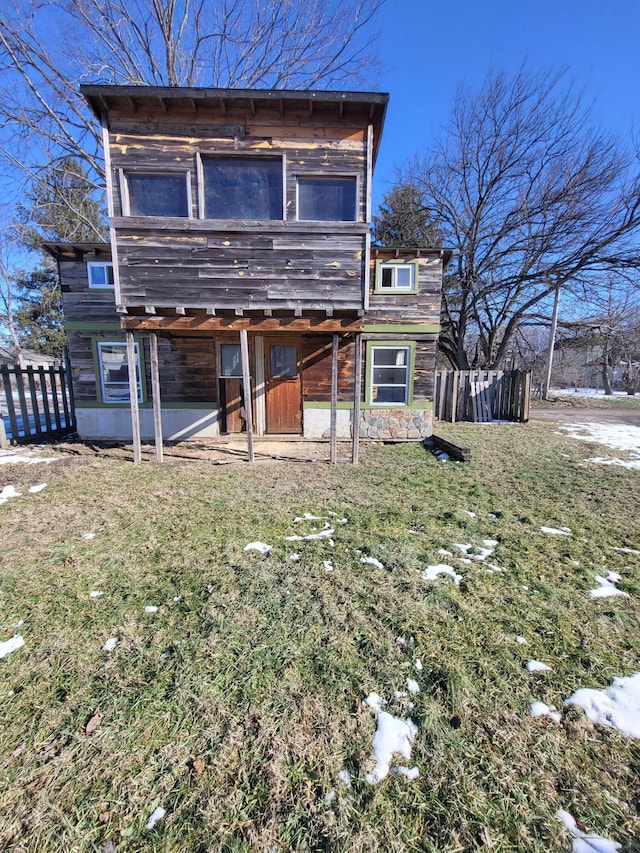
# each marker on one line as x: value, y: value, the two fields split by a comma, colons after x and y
x: 389, y: 424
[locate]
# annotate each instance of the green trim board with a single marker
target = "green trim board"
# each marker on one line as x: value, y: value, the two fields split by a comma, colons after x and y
x: 342, y: 404
x: 400, y: 263
x: 403, y: 329
x: 411, y: 346
x: 96, y: 371
x: 81, y: 326
x: 421, y: 405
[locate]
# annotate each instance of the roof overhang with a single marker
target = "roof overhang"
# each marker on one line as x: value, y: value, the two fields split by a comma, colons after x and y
x: 71, y: 251
x: 363, y: 107
x: 389, y: 253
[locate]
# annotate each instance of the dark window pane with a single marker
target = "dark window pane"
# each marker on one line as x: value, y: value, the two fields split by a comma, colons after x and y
x: 284, y: 360
x: 327, y: 199
x: 230, y: 358
x: 242, y: 188
x: 389, y: 375
x: 158, y: 195
x: 390, y: 395
x: 389, y: 355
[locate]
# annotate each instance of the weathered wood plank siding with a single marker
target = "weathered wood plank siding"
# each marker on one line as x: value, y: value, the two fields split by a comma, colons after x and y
x: 187, y: 370
x: 271, y: 264
x: 422, y: 306
x: 316, y: 368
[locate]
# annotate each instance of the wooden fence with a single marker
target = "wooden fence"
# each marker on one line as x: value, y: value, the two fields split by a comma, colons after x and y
x: 36, y: 403
x: 482, y: 395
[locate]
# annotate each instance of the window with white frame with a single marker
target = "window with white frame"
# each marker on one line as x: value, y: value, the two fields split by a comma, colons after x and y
x: 114, y: 372
x: 243, y: 187
x: 327, y: 199
x: 390, y: 369
x: 100, y: 274
x: 157, y: 194
x: 397, y: 276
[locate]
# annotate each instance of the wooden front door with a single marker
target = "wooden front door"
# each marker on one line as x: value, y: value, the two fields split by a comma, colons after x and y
x: 283, y: 386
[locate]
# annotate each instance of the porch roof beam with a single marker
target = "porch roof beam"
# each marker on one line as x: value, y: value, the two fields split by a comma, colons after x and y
x: 208, y: 323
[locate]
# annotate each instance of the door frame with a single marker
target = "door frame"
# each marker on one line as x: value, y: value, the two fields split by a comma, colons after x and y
x: 280, y: 339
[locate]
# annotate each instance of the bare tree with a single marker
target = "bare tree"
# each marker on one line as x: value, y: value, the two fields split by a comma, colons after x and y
x: 530, y: 197
x: 47, y: 49
x: 9, y: 307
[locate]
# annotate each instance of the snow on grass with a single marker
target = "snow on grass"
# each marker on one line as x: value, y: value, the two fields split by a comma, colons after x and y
x: 151, y: 608
x: 88, y: 536
x: 627, y: 550
x: 418, y: 665
x: 617, y: 707
x: 412, y: 686
x: 537, y: 666
x: 475, y: 552
x: 8, y: 646
x: 345, y: 777
x: 327, y: 565
x: 9, y: 457
x: 393, y: 736
x: 258, y: 546
x: 110, y: 645
x: 96, y: 593
x: 294, y: 557
x: 522, y: 641
x: 323, y: 534
x: 556, y: 531
x: 371, y: 561
x: 607, y: 587
x: 156, y: 815
x: 540, y: 709
x: 34, y: 490
x: 7, y: 493
x: 409, y: 773
x: 584, y: 842
x: 614, y: 436
x: 432, y: 572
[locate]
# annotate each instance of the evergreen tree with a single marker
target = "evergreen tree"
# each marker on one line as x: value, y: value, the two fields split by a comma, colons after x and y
x: 403, y: 222
x: 40, y: 319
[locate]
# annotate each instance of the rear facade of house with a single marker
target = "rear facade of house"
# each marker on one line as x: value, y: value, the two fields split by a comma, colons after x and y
x: 247, y: 212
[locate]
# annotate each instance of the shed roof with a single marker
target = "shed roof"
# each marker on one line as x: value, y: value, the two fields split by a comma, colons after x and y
x: 364, y: 107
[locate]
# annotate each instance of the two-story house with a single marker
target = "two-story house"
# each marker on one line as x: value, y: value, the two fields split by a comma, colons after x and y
x: 240, y: 290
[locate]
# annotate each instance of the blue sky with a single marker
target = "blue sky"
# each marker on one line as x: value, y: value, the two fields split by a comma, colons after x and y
x: 428, y: 49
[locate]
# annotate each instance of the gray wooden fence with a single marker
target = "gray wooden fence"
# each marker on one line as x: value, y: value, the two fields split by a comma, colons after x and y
x: 482, y: 395
x: 36, y: 403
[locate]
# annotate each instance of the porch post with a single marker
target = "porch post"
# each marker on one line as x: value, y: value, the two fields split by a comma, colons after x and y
x: 155, y: 390
x: 246, y: 387
x: 355, y: 438
x: 334, y: 398
x: 132, y: 365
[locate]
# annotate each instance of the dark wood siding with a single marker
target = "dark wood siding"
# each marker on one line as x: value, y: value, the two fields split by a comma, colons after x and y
x: 187, y: 370
x: 423, y: 306
x: 316, y: 368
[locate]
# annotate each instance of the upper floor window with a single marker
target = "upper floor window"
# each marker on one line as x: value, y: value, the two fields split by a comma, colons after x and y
x: 242, y: 187
x: 158, y: 193
x: 396, y: 276
x: 330, y: 199
x: 100, y: 274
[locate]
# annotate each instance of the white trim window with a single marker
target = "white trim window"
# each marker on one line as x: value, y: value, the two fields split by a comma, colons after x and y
x: 327, y: 198
x: 396, y: 276
x: 114, y: 371
x: 390, y: 372
x: 100, y: 274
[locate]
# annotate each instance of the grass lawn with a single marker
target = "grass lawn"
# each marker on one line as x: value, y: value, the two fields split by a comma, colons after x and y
x: 235, y: 705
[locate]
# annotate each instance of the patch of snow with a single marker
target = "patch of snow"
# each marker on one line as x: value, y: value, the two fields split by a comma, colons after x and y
x: 345, y: 777
x: 470, y: 514
x: 96, y: 593
x: 329, y: 798
x: 258, y: 546
x: 614, y: 436
x: 16, y: 642
x: 607, y: 587
x: 110, y: 645
x: 9, y: 492
x: 556, y: 531
x: 617, y: 707
x: 432, y: 572
x: 371, y: 561
x: 418, y: 665
x: 412, y: 686
x: 374, y: 701
x: 627, y: 550
x: 151, y: 608
x: 177, y: 598
x: 540, y: 709
x: 522, y: 640
x: 584, y: 842
x: 35, y: 489
x: 633, y: 464
x: 88, y: 535
x: 308, y: 517
x: 393, y: 736
x: 156, y: 815
x: 475, y: 552
x: 409, y: 773
x: 537, y: 666
x: 327, y: 565
x: 442, y: 552
x: 400, y: 641
x: 324, y: 534
x: 294, y: 557
x: 8, y: 457
x: 400, y: 694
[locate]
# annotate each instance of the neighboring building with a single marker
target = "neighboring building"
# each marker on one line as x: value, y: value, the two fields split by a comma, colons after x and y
x: 240, y: 219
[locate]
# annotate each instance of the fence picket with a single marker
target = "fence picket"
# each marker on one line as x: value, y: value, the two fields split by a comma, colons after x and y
x: 35, y: 418
x: 479, y: 395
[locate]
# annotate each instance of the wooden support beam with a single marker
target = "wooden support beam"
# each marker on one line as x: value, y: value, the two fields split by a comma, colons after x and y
x: 246, y: 385
x: 132, y: 364
x: 357, y: 388
x: 334, y: 399
x: 155, y: 392
x: 208, y: 323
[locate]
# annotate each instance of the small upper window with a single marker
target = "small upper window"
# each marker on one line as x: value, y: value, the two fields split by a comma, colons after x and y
x: 242, y: 187
x: 396, y: 276
x: 327, y: 199
x: 100, y: 275
x: 158, y: 194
